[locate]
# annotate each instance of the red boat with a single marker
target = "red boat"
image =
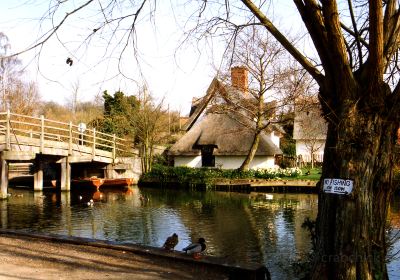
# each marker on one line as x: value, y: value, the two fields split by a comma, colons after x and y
x: 118, y: 182
x: 98, y: 183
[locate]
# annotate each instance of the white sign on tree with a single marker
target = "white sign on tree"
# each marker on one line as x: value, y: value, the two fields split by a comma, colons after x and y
x: 338, y: 186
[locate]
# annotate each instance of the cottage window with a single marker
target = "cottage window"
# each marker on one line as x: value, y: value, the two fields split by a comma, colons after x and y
x: 207, y: 157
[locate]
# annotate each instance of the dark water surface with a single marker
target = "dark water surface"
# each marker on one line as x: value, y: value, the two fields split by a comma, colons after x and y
x: 256, y: 227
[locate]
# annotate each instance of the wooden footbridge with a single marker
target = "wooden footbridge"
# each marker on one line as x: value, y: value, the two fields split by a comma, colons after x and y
x: 39, y: 140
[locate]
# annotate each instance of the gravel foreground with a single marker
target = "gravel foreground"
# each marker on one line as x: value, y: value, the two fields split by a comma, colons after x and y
x: 24, y: 257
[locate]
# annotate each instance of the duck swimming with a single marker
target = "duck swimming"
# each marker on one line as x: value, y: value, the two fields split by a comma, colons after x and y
x: 171, y: 242
x: 196, y: 248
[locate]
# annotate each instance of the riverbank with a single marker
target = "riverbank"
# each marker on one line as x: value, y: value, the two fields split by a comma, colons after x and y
x: 25, y: 255
x: 240, y: 185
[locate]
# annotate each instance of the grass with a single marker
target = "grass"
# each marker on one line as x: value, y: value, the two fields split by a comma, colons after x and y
x: 315, y: 174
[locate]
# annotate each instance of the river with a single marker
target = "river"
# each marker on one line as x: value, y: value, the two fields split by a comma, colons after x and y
x: 255, y: 227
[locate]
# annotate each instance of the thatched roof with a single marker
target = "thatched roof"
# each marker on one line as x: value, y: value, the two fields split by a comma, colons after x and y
x: 309, y: 124
x: 202, y: 103
x: 227, y: 135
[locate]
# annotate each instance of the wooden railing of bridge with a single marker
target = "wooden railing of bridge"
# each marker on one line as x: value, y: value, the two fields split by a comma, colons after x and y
x: 19, y: 131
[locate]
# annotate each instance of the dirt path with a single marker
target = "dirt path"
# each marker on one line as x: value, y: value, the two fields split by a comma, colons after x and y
x: 23, y: 257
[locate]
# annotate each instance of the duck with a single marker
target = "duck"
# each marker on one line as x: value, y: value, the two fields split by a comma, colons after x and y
x: 171, y: 242
x: 196, y: 248
x: 90, y: 203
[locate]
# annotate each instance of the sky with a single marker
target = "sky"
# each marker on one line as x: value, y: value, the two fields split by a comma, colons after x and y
x: 173, y: 74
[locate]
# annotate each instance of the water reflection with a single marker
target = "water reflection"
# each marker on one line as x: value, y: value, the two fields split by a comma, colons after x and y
x: 239, y: 227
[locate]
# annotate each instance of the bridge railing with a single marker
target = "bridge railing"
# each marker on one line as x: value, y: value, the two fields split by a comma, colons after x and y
x: 16, y: 127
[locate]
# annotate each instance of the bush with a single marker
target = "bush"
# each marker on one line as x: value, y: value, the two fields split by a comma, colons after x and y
x: 208, y: 175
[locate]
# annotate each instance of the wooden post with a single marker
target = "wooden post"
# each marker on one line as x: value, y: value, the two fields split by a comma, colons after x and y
x: 8, y: 134
x: 108, y: 171
x: 41, y: 134
x: 65, y: 179
x: 114, y: 148
x: 94, y: 143
x: 4, y: 215
x: 70, y: 139
x: 4, y: 178
x: 38, y: 176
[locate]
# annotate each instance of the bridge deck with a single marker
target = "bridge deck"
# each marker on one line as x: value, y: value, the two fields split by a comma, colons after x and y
x: 27, y: 138
x: 27, y: 148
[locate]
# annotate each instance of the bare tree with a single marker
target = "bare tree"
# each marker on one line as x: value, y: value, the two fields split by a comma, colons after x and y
x: 74, y: 98
x: 358, y: 89
x: 23, y: 98
x: 259, y: 94
x: 151, y: 127
x: 10, y: 70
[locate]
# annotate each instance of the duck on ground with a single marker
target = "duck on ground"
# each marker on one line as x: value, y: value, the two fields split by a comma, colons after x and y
x: 171, y: 242
x: 196, y: 248
x: 90, y: 203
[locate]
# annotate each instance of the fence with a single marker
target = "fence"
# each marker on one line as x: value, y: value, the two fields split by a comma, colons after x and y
x: 19, y: 130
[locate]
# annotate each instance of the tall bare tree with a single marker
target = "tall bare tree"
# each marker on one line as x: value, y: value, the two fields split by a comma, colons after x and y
x: 73, y: 99
x: 358, y: 89
x: 10, y: 70
x: 151, y: 127
x: 18, y: 96
x: 260, y: 59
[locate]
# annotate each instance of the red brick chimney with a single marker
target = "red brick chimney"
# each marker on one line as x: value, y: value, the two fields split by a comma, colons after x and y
x: 239, y: 78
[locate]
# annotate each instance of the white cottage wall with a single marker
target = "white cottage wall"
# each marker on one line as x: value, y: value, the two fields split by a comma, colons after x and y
x: 233, y: 162
x: 275, y: 139
x: 226, y: 162
x: 189, y: 161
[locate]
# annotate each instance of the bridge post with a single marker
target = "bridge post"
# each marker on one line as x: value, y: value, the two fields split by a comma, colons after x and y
x: 65, y: 175
x: 108, y: 172
x: 94, y: 143
x: 38, y: 176
x: 41, y: 134
x: 114, y: 151
x: 70, y: 139
x: 8, y: 134
x: 4, y: 178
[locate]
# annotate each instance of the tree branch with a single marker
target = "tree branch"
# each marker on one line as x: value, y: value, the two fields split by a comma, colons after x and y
x: 336, y: 45
x: 314, y: 72
x: 311, y: 15
x: 376, y: 42
x: 356, y: 33
x: 391, y: 26
x: 54, y: 30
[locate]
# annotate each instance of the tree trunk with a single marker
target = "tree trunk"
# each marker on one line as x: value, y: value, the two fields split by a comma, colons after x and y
x: 253, y: 149
x: 312, y: 160
x: 350, y: 229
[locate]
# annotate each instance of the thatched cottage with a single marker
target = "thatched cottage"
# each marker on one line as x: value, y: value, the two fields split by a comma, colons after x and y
x: 221, y: 140
x: 309, y: 132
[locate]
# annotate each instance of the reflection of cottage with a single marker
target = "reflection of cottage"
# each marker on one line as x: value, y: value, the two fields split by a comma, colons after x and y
x: 309, y: 132
x: 221, y: 140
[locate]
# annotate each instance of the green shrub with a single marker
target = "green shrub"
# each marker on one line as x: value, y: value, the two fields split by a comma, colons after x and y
x: 208, y: 175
